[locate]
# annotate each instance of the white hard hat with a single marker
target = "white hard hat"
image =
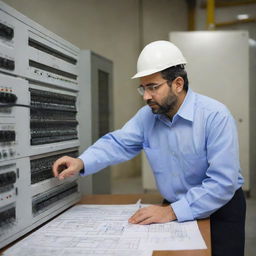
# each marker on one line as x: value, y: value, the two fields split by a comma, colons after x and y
x: 158, y: 56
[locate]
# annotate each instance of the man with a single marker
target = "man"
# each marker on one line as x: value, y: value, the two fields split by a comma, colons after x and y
x: 191, y: 143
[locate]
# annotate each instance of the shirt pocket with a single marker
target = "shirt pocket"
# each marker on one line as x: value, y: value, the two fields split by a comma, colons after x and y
x: 155, y: 159
x: 194, y: 168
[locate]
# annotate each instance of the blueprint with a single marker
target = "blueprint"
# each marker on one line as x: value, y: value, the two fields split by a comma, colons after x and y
x: 97, y: 230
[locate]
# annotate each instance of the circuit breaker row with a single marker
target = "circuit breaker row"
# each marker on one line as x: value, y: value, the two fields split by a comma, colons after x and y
x: 41, y: 168
x: 52, y: 118
x: 39, y: 85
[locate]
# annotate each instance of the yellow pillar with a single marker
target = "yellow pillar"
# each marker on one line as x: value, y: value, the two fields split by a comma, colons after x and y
x: 210, y: 14
x: 191, y: 14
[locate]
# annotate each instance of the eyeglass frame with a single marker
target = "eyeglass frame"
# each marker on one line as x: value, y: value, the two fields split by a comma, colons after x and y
x: 149, y: 88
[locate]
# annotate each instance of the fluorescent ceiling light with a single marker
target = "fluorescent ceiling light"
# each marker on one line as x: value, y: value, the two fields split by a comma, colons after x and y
x: 242, y: 16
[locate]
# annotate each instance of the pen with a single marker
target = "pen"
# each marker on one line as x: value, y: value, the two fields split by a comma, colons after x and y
x: 138, y: 203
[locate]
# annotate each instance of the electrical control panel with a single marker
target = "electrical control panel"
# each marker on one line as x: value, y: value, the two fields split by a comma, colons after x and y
x: 31, y: 51
x: 53, y: 117
x: 8, y: 196
x: 39, y: 86
x: 14, y: 125
x: 8, y: 177
x: 41, y: 167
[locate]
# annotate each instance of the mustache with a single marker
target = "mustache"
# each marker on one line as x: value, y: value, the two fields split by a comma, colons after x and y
x: 151, y: 102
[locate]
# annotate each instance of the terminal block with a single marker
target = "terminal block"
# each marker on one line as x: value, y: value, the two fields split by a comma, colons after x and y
x: 53, y: 117
x: 6, y: 179
x: 6, y: 31
x: 7, y: 97
x: 7, y: 215
x: 41, y: 168
x: 7, y: 135
x: 43, y: 201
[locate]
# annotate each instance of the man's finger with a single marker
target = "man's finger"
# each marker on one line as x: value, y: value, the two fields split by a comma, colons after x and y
x: 66, y: 173
x: 147, y: 221
x: 136, y: 214
x: 138, y: 217
x: 57, y: 164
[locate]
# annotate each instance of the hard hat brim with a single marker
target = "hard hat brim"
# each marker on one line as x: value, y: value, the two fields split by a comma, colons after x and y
x: 152, y: 71
x: 145, y: 73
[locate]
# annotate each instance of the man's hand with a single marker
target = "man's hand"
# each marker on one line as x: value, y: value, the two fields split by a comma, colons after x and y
x: 67, y: 166
x: 153, y: 214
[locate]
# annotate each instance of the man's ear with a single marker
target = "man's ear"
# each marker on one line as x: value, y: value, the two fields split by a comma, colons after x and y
x: 179, y: 84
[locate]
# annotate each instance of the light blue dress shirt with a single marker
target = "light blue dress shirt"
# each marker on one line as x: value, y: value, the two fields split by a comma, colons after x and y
x: 194, y: 157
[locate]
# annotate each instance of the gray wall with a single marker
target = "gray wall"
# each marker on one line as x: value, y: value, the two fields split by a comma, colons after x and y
x: 116, y: 29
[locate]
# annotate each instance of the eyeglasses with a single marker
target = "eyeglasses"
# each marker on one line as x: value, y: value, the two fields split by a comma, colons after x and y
x: 152, y: 88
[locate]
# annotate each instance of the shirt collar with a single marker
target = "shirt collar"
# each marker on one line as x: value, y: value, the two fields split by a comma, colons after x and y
x: 186, y: 110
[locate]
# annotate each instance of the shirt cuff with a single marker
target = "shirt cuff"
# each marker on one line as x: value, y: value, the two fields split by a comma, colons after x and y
x: 182, y: 210
x: 89, y: 164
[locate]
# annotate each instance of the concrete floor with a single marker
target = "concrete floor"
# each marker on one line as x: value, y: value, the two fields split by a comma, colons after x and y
x: 134, y: 186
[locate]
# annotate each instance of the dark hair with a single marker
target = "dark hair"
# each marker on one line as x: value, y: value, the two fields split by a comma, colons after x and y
x: 173, y: 72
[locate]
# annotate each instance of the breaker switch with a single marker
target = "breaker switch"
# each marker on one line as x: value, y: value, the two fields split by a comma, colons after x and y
x: 6, y: 32
x: 7, y: 64
x: 7, y: 179
x: 6, y: 136
x: 6, y: 97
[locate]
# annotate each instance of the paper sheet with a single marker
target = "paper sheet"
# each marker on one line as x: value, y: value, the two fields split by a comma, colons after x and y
x: 97, y: 230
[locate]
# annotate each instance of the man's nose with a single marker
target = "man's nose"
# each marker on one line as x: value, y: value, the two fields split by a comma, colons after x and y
x: 147, y: 95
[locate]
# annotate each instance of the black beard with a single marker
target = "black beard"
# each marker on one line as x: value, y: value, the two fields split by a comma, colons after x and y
x: 168, y: 104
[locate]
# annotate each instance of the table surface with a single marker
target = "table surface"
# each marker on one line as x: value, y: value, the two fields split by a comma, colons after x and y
x: 204, y: 225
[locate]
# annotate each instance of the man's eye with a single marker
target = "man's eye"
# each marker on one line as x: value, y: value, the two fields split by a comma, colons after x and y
x: 150, y: 88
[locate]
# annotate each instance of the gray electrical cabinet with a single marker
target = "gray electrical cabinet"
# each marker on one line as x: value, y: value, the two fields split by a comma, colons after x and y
x: 96, y: 79
x: 39, y: 87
